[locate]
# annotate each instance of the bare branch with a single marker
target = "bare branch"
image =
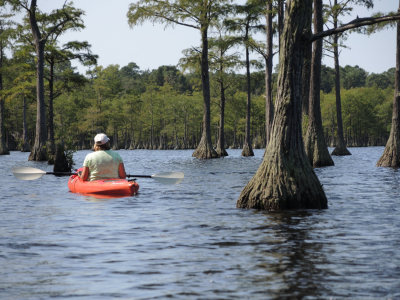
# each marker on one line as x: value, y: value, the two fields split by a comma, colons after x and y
x: 359, y: 22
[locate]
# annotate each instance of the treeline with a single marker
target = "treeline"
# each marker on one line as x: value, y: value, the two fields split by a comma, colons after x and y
x: 162, y: 108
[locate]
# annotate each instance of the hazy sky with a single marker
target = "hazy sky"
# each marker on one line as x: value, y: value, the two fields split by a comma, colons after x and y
x: 151, y: 46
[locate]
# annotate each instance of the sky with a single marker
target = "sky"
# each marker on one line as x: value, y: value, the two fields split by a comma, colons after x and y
x: 152, y: 45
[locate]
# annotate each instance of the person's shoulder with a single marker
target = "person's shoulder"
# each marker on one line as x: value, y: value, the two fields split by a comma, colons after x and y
x: 115, y: 154
x: 91, y: 155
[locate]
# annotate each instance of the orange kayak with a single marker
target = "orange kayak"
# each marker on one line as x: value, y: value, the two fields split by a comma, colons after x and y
x: 110, y: 187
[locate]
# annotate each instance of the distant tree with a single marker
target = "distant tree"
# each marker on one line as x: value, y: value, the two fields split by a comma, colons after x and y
x: 246, y: 23
x: 40, y: 36
x: 381, y: 80
x: 5, y: 41
x: 353, y: 77
x: 336, y: 9
x: 22, y: 87
x: 327, y: 79
x: 196, y: 14
x: 315, y: 144
x: 221, y: 62
x: 56, y: 56
x: 266, y: 50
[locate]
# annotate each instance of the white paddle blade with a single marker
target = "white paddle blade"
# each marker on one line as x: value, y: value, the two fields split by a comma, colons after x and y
x: 27, y: 173
x: 169, y: 177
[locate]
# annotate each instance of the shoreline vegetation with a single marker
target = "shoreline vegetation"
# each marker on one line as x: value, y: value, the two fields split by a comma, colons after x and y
x: 161, y: 109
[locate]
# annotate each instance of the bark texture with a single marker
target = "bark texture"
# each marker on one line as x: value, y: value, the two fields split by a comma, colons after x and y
x: 391, y: 154
x: 285, y: 178
x: 316, y: 148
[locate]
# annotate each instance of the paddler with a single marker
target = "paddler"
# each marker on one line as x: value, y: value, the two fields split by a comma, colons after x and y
x: 103, y: 163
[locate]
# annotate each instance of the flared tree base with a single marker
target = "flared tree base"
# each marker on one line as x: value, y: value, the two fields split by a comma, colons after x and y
x: 205, y: 150
x: 221, y: 152
x: 38, y: 154
x: 25, y: 147
x: 282, y: 185
x: 391, y: 155
x: 316, y: 148
x: 61, y: 163
x: 247, y: 150
x: 4, y: 150
x: 340, y: 151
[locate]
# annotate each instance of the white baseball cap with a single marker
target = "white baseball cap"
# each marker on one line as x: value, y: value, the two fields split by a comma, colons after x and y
x: 101, y: 139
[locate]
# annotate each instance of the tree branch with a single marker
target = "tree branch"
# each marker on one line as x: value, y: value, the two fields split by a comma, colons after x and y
x: 359, y: 22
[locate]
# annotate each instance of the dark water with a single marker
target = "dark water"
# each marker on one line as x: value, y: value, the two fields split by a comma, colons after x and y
x: 190, y: 242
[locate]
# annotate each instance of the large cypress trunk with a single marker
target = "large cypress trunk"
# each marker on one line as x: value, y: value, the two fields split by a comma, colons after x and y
x: 316, y: 148
x: 205, y: 149
x: 391, y: 155
x: 285, y: 178
x: 39, y: 151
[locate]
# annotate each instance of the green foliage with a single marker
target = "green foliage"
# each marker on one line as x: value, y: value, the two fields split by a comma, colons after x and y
x: 353, y: 77
x: 366, y: 113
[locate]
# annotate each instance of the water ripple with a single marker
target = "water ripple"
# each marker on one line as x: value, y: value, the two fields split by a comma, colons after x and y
x: 190, y: 242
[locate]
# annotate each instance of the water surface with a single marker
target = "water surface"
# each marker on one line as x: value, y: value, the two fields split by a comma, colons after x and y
x: 188, y: 241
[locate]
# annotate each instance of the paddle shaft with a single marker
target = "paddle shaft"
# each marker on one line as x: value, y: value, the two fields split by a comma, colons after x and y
x: 61, y: 173
x: 69, y: 174
x: 141, y: 176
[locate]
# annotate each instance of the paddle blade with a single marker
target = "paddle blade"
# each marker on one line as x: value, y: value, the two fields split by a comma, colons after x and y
x: 169, y: 177
x: 27, y: 173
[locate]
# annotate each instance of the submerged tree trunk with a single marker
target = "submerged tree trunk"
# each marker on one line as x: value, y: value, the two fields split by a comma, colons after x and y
x: 24, y: 145
x: 285, y: 178
x: 391, y: 155
x: 247, y: 149
x: 340, y: 148
x: 39, y: 151
x: 205, y: 149
x: 316, y: 148
x: 221, y: 133
x: 269, y: 105
x: 3, y: 146
x: 51, y: 141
